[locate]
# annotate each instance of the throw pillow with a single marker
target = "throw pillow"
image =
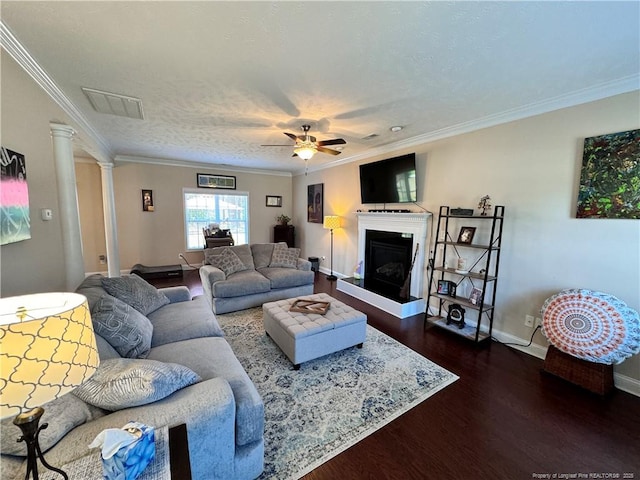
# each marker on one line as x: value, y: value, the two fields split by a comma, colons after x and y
x: 284, y: 257
x: 135, y: 291
x: 124, y: 382
x: 227, y: 261
x: 63, y: 415
x: 124, y: 328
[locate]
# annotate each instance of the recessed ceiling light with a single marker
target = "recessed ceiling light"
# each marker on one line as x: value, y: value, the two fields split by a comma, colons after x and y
x: 396, y: 128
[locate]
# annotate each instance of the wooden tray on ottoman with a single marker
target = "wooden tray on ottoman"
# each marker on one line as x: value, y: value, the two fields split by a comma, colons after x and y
x: 310, y: 306
x: 595, y: 377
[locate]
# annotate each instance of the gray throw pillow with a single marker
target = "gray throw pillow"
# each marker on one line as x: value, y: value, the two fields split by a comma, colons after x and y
x: 63, y: 415
x: 124, y: 328
x: 284, y: 257
x: 227, y: 261
x: 135, y: 291
x: 262, y: 254
x: 125, y: 382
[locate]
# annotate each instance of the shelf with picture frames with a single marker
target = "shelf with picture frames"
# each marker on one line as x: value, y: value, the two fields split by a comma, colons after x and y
x: 462, y: 293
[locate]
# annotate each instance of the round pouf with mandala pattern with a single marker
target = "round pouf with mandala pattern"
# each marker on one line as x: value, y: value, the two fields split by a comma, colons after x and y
x: 591, y: 325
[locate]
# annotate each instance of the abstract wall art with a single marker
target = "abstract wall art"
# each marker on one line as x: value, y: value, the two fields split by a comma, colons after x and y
x: 610, y: 177
x: 315, y: 203
x: 14, y: 198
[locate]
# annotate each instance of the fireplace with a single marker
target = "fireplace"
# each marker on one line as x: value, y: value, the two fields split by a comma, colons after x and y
x: 387, y: 262
x: 407, y: 231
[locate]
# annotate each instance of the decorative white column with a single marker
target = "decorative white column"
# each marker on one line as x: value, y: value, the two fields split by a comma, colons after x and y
x: 62, y: 136
x: 110, y: 225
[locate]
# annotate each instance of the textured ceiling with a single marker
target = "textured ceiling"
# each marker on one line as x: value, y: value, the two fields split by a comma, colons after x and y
x: 218, y: 79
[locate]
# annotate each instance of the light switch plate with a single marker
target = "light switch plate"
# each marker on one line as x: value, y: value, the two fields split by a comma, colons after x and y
x: 46, y: 214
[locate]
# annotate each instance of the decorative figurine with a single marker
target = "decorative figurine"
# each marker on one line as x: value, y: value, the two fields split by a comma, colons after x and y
x: 484, y: 205
x: 357, y: 271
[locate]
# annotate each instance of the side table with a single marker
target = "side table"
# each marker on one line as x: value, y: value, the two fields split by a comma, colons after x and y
x: 179, y: 453
x: 89, y: 467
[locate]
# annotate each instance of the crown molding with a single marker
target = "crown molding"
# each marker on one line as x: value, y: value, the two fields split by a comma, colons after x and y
x: 23, y: 58
x: 168, y: 162
x: 572, y: 99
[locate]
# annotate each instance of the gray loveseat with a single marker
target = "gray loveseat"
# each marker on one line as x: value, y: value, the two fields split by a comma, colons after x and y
x: 245, y: 276
x: 221, y: 407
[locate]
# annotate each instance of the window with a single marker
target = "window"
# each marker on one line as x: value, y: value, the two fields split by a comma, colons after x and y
x: 228, y: 210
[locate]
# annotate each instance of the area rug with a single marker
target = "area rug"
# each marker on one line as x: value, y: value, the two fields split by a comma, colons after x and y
x: 314, y: 413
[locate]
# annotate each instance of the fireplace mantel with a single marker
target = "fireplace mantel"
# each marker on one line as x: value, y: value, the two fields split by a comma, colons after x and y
x: 413, y: 223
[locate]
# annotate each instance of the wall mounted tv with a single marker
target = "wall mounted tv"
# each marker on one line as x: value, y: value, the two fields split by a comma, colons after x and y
x: 389, y: 181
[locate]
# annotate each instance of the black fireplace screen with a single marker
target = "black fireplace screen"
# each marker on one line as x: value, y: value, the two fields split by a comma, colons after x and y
x: 387, y: 261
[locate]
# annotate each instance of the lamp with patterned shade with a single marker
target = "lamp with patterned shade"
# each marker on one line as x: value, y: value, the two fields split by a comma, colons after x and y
x: 47, y: 348
x: 331, y: 222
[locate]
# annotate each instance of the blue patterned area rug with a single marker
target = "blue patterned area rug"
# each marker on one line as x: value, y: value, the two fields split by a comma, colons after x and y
x: 333, y: 402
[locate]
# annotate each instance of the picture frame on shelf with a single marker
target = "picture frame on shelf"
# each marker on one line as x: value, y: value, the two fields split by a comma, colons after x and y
x: 274, y: 201
x: 447, y: 287
x: 475, y: 297
x: 466, y: 235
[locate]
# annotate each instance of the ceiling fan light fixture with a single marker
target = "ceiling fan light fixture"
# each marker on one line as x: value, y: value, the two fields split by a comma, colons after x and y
x: 305, y: 152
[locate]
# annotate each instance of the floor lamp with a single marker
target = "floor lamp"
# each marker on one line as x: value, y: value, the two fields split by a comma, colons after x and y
x: 331, y: 222
x: 47, y: 348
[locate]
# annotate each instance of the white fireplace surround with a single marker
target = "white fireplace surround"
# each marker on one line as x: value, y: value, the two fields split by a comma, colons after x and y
x: 413, y: 223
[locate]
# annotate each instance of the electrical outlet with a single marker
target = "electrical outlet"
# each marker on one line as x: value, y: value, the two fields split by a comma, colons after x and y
x: 528, y: 320
x: 103, y: 259
x: 323, y: 258
x: 538, y: 322
x: 179, y: 255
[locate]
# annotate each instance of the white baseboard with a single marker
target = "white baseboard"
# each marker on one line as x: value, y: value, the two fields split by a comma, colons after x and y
x: 327, y: 271
x: 626, y: 384
x: 621, y: 382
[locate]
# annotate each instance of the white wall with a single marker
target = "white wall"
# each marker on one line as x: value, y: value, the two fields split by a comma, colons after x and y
x: 532, y: 167
x: 156, y: 238
x: 37, y: 264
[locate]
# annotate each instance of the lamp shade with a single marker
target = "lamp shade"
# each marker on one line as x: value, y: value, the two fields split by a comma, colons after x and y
x: 331, y: 222
x: 47, y: 348
x: 305, y: 152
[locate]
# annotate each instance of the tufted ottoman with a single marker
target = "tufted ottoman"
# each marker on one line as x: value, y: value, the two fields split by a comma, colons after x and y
x: 305, y: 336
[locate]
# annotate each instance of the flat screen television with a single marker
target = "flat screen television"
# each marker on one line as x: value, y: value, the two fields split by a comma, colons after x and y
x: 389, y: 181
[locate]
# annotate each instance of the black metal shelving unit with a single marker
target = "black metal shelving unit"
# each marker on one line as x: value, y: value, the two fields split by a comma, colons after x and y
x: 482, y: 272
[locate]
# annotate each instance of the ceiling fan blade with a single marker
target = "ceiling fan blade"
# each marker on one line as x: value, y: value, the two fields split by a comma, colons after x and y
x: 330, y: 151
x: 335, y: 141
x: 291, y: 136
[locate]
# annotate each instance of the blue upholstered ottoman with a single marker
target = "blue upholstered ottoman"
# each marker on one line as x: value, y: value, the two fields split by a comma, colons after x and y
x: 306, y: 336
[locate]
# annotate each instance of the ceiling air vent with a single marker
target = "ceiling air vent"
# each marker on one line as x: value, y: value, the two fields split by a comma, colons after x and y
x: 114, y: 104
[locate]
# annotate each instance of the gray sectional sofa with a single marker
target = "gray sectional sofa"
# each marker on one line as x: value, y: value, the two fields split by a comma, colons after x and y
x: 217, y: 401
x: 245, y: 276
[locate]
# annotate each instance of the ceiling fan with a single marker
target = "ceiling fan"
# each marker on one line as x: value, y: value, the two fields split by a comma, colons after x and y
x: 307, y: 146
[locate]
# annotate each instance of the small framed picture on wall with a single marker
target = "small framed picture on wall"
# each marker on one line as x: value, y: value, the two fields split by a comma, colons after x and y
x: 147, y: 200
x: 315, y: 199
x: 274, y: 201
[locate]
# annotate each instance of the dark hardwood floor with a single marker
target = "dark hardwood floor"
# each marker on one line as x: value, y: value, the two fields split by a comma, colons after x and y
x: 502, y: 419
